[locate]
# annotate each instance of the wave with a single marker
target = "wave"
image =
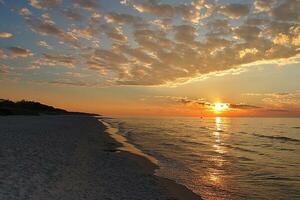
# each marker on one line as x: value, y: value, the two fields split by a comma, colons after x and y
x: 203, y: 127
x: 286, y: 149
x: 281, y: 138
x: 168, y: 144
x: 278, y: 178
x: 191, y: 142
x: 242, y: 158
x: 238, y: 148
x: 274, y: 137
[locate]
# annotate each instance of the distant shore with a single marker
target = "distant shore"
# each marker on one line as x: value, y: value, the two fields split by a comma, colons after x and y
x: 72, y: 157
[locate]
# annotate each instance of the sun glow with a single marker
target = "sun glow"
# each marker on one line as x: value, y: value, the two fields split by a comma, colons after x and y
x: 220, y: 107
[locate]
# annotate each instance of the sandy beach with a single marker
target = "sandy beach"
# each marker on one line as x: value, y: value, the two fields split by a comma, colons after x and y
x: 72, y: 157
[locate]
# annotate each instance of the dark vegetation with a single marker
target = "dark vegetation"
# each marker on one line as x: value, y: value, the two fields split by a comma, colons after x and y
x: 23, y: 107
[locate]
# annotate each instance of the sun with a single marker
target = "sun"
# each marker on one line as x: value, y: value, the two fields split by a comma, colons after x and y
x: 220, y: 107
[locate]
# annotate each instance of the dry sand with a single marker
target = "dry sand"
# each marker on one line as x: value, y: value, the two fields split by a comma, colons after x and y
x: 71, y: 157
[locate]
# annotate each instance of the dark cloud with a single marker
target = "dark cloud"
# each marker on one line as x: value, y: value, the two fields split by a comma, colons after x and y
x: 71, y: 83
x: 72, y: 14
x: 287, y: 10
x: 277, y: 110
x: 185, y: 33
x: 19, y: 52
x: 14, y: 52
x: 91, y: 5
x: 243, y: 106
x: 235, y: 10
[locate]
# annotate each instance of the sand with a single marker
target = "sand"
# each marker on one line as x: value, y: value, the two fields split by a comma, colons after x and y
x: 72, y: 157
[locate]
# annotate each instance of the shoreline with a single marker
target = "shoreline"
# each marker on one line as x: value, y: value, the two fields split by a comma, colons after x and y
x: 149, y: 164
x: 72, y: 157
x: 126, y: 146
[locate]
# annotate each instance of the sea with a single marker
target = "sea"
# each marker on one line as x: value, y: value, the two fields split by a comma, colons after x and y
x: 222, y: 158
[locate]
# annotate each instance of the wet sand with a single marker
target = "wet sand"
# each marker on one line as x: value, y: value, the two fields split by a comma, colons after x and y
x: 72, y: 157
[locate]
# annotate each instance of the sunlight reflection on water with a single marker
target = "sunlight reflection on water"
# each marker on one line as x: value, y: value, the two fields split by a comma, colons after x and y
x: 223, y: 158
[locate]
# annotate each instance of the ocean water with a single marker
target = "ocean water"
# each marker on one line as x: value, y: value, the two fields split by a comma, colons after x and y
x: 222, y: 158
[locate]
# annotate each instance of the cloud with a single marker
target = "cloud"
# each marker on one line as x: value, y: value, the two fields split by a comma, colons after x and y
x: 25, y: 12
x: 4, y: 70
x: 124, y: 2
x: 14, y: 52
x: 246, y: 52
x: 219, y: 27
x: 204, y: 107
x: 2, y: 54
x: 72, y: 14
x: 87, y: 33
x: 235, y: 11
x: 44, y: 44
x: 19, y: 52
x: 281, y: 39
x: 278, y: 110
x: 69, y: 82
x: 45, y: 4
x: 283, y: 100
x: 117, y: 35
x: 287, y: 10
x: 202, y: 103
x: 125, y: 19
x: 262, y: 5
x: 185, y: 33
x: 90, y: 5
x: 185, y: 100
x: 164, y: 42
x: 155, y: 8
x: 55, y: 60
x: 247, y: 32
x: 279, y: 100
x: 47, y: 27
x: 163, y: 24
x: 197, y: 10
x: 5, y: 35
x: 243, y: 106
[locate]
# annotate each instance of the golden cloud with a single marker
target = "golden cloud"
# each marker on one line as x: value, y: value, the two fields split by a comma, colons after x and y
x: 5, y: 35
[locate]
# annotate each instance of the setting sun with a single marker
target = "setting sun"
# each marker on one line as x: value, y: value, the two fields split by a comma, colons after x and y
x: 220, y: 107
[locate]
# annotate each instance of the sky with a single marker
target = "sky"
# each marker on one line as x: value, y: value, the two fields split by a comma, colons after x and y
x: 153, y: 58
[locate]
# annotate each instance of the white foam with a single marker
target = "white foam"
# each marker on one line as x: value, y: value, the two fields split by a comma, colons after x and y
x: 126, y: 146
